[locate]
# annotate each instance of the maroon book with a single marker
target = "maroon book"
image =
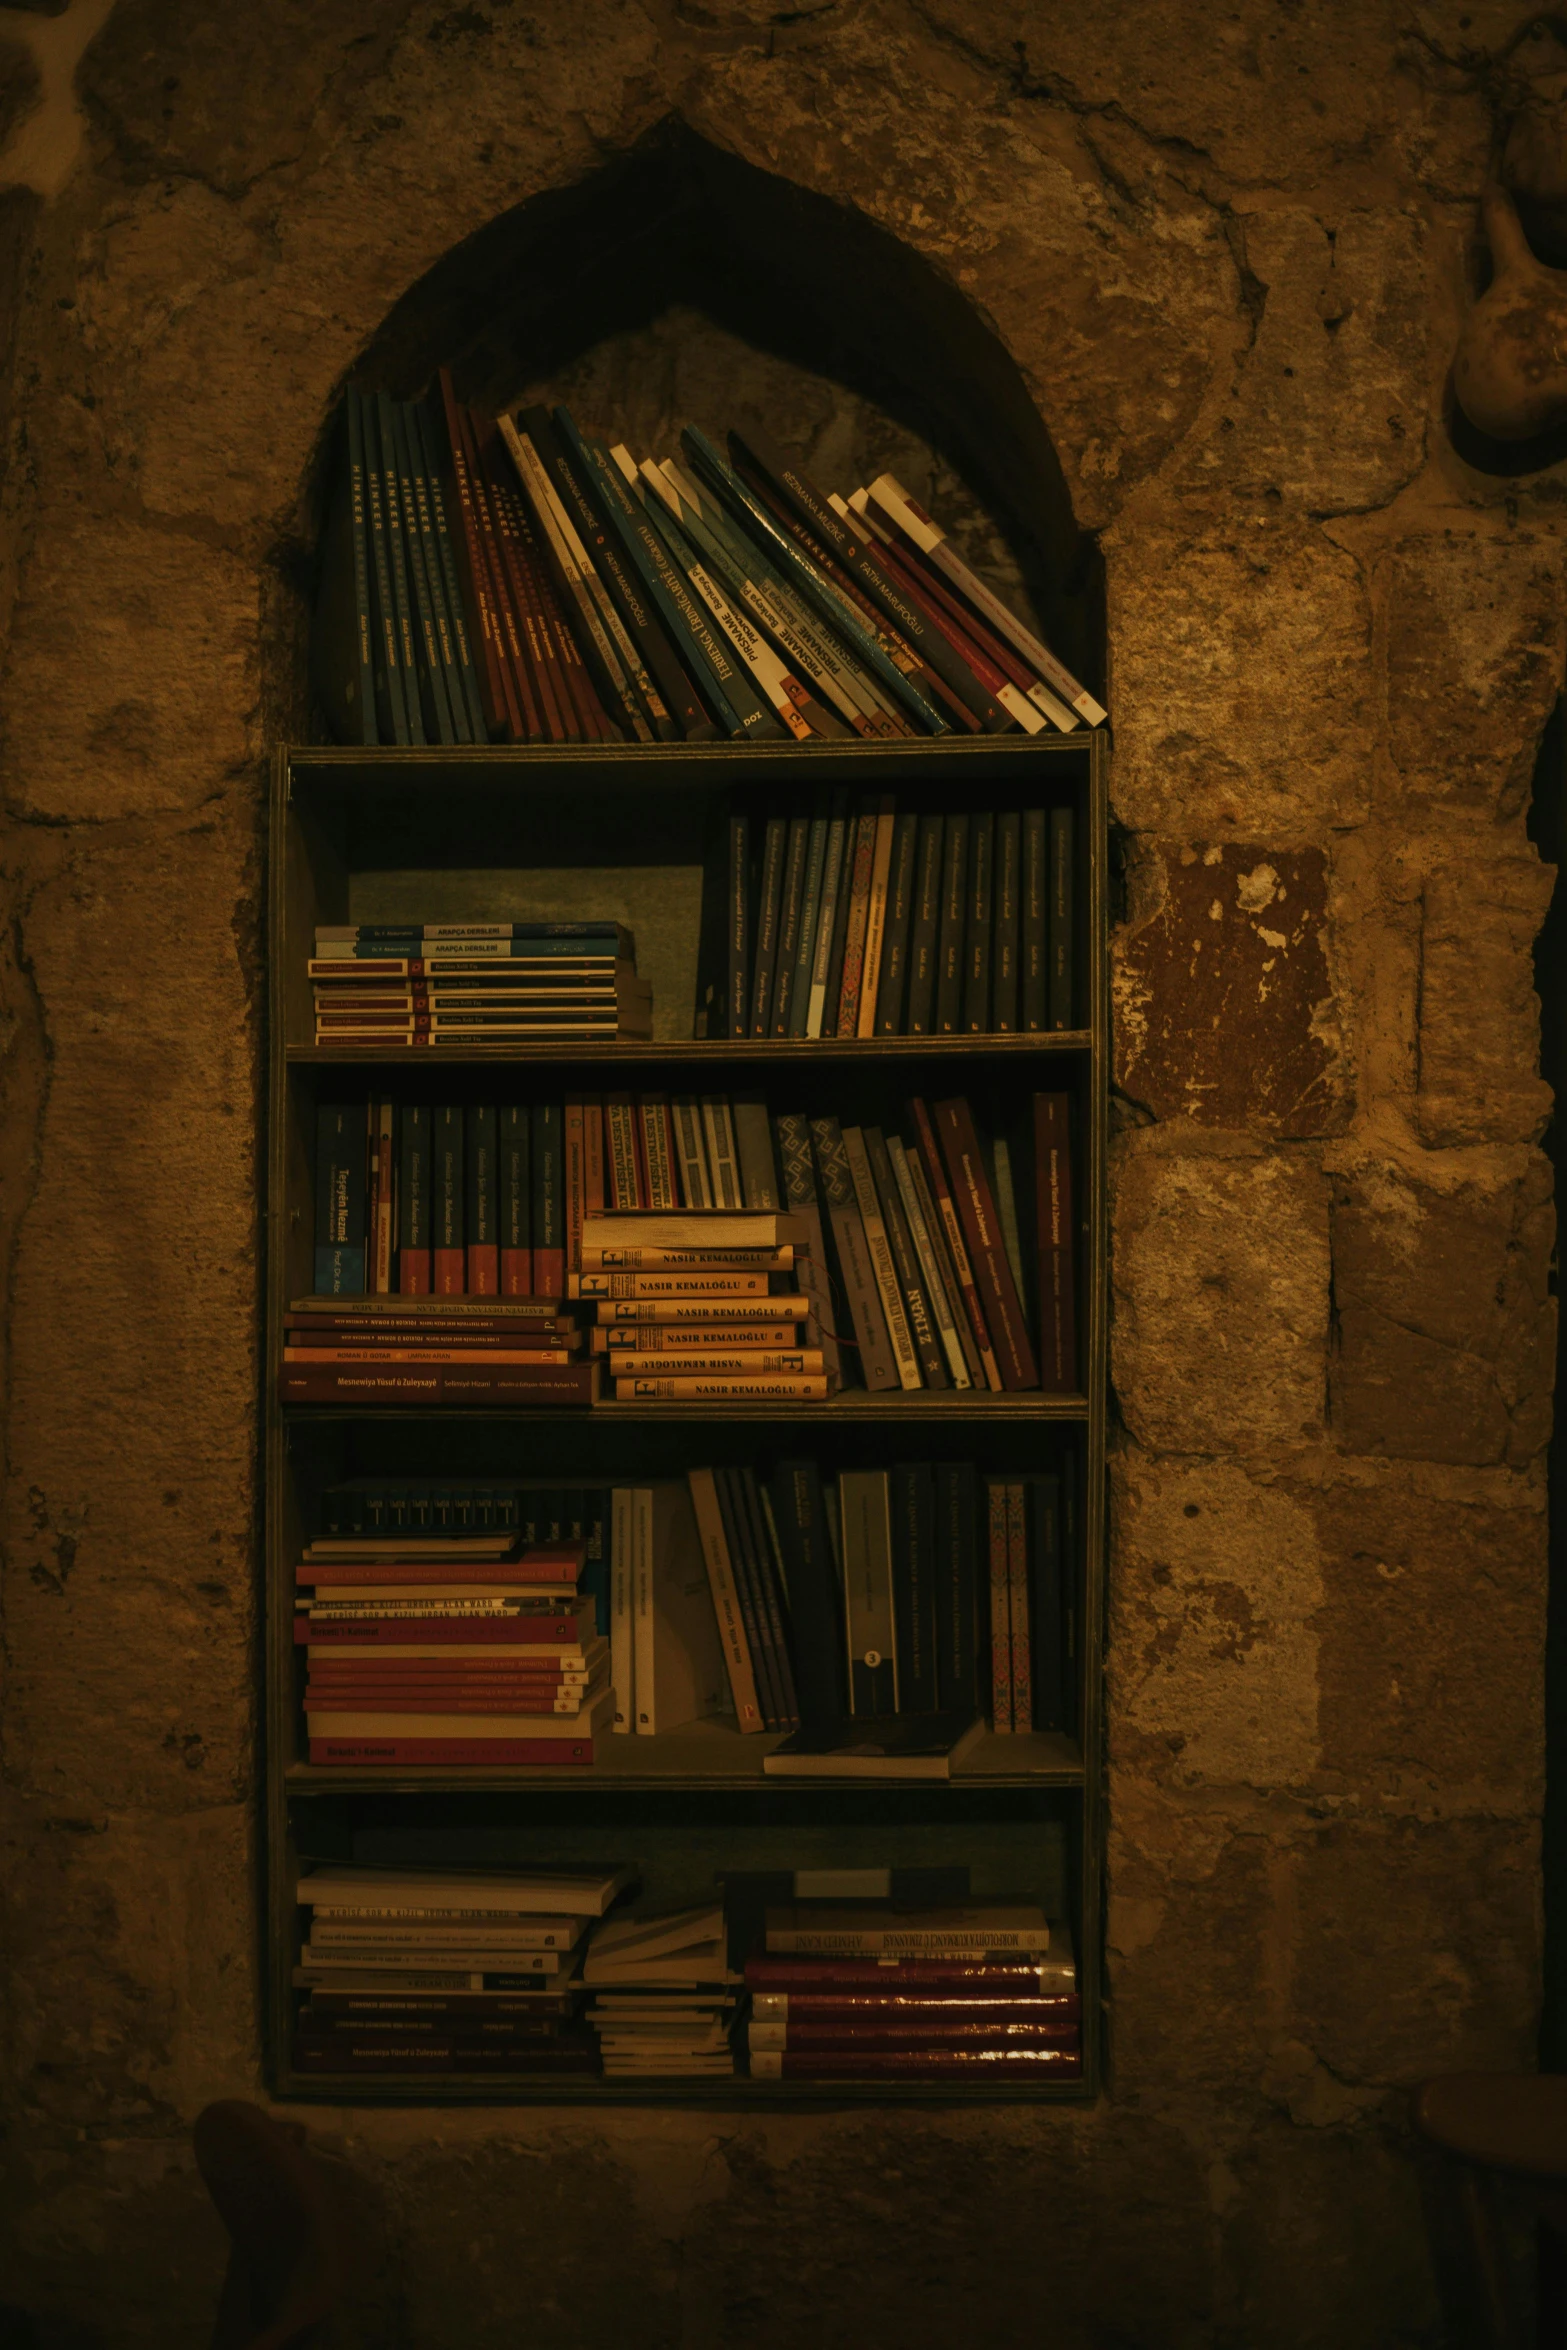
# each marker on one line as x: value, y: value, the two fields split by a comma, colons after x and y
x: 978, y: 2065
x: 987, y: 1251
x: 1053, y: 1200
x: 434, y: 1384
x: 463, y: 1753
x: 1055, y: 2011
x: 984, y: 1978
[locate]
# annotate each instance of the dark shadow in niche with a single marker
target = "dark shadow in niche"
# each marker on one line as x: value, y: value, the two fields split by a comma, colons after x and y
x: 674, y: 222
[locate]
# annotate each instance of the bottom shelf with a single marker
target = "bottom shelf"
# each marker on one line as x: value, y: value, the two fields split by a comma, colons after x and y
x: 651, y: 2089
x: 710, y: 1754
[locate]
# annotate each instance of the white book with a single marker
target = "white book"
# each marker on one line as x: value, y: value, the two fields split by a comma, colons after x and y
x: 695, y: 1187
x: 622, y: 1605
x: 679, y: 1657
x: 722, y: 1158
x: 585, y: 1892
x: 654, y: 1933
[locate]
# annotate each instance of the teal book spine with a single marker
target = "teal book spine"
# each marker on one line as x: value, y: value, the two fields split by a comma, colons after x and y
x: 435, y: 581
x: 462, y: 638
x: 359, y: 526
x: 429, y: 667
x: 391, y: 709
x: 397, y: 563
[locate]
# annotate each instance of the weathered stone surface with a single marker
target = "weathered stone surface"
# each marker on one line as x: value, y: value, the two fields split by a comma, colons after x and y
x: 1474, y: 662
x: 1221, y: 1301
x: 1217, y: 1588
x: 1479, y: 1035
x: 1242, y: 677
x: 21, y: 86
x: 1328, y: 406
x: 1407, y: 1712
x: 1223, y: 998
x: 1447, y: 1334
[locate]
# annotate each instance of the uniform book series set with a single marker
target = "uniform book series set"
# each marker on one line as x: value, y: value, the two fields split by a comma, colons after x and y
x: 847, y: 1974
x: 878, y: 1618
x: 500, y: 983
x: 515, y: 580
x: 688, y: 1233
x: 870, y: 921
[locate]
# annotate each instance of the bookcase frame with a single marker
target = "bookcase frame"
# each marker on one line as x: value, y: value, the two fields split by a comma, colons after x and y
x: 317, y: 795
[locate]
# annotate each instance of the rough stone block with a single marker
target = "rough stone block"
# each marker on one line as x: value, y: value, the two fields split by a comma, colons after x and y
x: 1446, y: 1329
x: 1220, y: 1326
x: 1223, y: 1000
x: 1428, y: 1638
x: 1240, y: 669
x: 132, y: 685
x: 1475, y: 632
x: 1328, y: 407
x: 1479, y: 1032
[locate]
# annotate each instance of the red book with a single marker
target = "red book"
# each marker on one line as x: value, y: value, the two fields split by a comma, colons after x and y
x: 430, y: 1384
x: 986, y: 1249
x: 414, y: 1272
x: 473, y: 569
x: 466, y: 1753
x: 921, y: 2032
x: 434, y: 1701
x: 553, y: 1631
x: 1053, y: 1199
x: 916, y: 2064
x: 555, y: 1565
x: 1057, y: 2012
x: 952, y: 1233
x: 515, y: 595
x: 521, y: 706
x: 859, y: 886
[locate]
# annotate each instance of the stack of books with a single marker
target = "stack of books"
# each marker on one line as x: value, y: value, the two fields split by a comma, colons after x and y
x: 518, y: 580
x: 664, y: 1993
x: 436, y: 1650
x: 489, y: 1352
x: 502, y: 983
x: 425, y: 1973
x: 699, y: 1306
x: 864, y: 921
x: 373, y: 1518
x: 985, y: 1991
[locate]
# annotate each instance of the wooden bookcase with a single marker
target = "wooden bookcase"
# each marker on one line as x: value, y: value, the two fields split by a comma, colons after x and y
x: 589, y: 832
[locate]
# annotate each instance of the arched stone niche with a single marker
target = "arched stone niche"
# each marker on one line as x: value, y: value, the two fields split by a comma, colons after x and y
x: 678, y: 283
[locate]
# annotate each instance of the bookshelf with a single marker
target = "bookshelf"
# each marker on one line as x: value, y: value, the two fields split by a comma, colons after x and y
x: 368, y: 835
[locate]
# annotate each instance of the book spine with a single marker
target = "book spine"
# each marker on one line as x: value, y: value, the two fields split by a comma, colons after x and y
x: 978, y: 943
x: 878, y: 1362
x: 413, y: 1202
x: 436, y: 1383
x: 565, y: 557
x: 1018, y: 1610
x: 738, y: 923
x: 919, y: 1212
x: 585, y: 544
x: 691, y: 1154
x: 952, y: 1232
x: 1034, y: 952
x: 981, y: 1228
x: 719, y: 1134
x: 472, y: 565
x: 721, y: 1288
x: 1007, y: 935
x: 359, y: 526
x: 752, y: 1387
x: 541, y: 662
x: 397, y: 555
x: 410, y: 421
x: 385, y: 1196
x: 1061, y: 948
x: 998, y: 1567
x: 388, y: 658
x: 925, y: 926
x: 810, y: 918
x: 893, y: 989
x: 954, y: 920
x: 906, y: 1268
x: 528, y: 718
x: 755, y: 721
x: 745, y: 1363
x: 1040, y: 1502
x: 819, y: 1017
x: 447, y: 1196
x: 769, y: 902
x: 658, y: 1152
x: 911, y: 2064
x: 549, y: 1229
x: 876, y: 920
x: 956, y: 1588
x: 754, y: 1144
x: 465, y: 1753
x: 686, y: 622
x: 913, y: 1502
x: 481, y: 1201
x: 767, y: 1571
x: 342, y: 1180
x: 465, y: 654
x: 516, y: 1202
x: 623, y: 1184
x: 870, y: 1603
x: 797, y: 1517
x: 790, y: 909
x: 879, y: 1249
x: 859, y: 907
x: 726, y: 1598
x: 799, y: 1184
x: 430, y: 668
x: 622, y: 1606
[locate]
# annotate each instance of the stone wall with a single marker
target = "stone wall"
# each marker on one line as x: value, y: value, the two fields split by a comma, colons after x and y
x: 1228, y: 249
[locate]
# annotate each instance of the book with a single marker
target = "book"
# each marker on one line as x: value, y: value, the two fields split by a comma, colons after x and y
x: 1060, y: 947
x: 935, y: 1267
x: 515, y: 1204
x: 767, y: 1568
x: 1034, y: 925
x: 437, y: 1384
x: 956, y: 1580
x: 948, y: 1015
x: 798, y: 1521
x: 835, y: 1929
x: 427, y: 610
x: 810, y: 918
x: 679, y: 1669
x: 737, y: 934
x: 977, y: 942
x: 800, y: 1199
x: 719, y: 1565
x: 970, y: 1191
x: 925, y: 926
x: 342, y: 1179
x: 1007, y: 930
x: 861, y: 863
x: 547, y: 1161
x: 448, y: 1197
x: 463, y: 653
x: 821, y: 1002
x: 718, y: 1136
x: 894, y: 1746
x: 1048, y: 2061
x: 657, y: 1144
x: 768, y: 907
x: 481, y: 1200
x: 892, y: 987
x: 905, y: 1262
x: 998, y: 1558
x: 586, y: 1892
x: 875, y: 919
x: 879, y: 1253
x: 790, y: 912
x: 754, y: 1147
x: 878, y: 1364
x: 911, y: 1501
x: 1046, y: 1976
x: 622, y: 1607
x: 870, y: 1621
x: 751, y: 1592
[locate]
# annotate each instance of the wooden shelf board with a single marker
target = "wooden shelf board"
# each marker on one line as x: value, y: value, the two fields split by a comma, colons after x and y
x: 654, y: 2089
x: 941, y: 1407
x: 639, y: 1054
x: 710, y: 1755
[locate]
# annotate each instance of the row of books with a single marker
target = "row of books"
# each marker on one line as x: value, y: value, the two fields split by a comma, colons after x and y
x: 431, y: 1972
x: 896, y: 1260
x: 515, y: 579
x: 841, y: 1612
x: 511, y: 983
x: 870, y: 922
